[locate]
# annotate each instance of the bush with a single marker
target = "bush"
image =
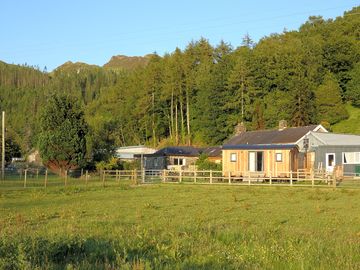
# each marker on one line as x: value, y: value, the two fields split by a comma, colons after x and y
x: 203, y: 164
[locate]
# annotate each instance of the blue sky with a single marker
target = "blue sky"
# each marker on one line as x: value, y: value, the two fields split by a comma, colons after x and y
x: 49, y: 33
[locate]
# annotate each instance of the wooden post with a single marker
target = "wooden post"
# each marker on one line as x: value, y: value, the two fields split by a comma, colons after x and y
x: 249, y: 179
x: 66, y: 178
x: 334, y: 181
x: 103, y: 178
x: 312, y: 181
x: 195, y: 175
x: 46, y: 178
x: 25, y: 174
x: 291, y: 178
x: 164, y: 176
x: 143, y: 176
x: 86, y: 177
x: 180, y: 176
x: 82, y: 173
x: 270, y: 179
x: 229, y: 177
x: 37, y: 174
x: 211, y: 177
x: 135, y: 176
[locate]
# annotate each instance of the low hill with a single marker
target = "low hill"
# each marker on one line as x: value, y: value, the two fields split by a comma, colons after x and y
x: 127, y: 62
x: 77, y: 66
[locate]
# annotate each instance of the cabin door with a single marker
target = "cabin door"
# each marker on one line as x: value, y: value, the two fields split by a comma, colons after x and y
x: 330, y: 162
x: 256, y: 161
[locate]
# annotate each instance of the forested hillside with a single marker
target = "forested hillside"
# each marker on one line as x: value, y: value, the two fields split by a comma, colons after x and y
x: 199, y: 94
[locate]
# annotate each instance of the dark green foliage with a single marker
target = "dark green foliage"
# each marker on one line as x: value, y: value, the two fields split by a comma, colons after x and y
x: 62, y: 142
x: 198, y: 95
x: 328, y: 101
x: 12, y: 149
x: 353, y: 89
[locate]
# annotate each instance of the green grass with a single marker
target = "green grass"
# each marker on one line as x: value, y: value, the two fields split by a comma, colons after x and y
x: 350, y: 125
x: 180, y: 226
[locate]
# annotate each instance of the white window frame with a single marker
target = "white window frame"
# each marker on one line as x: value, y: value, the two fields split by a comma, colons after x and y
x: 356, y: 161
x: 278, y: 155
x: 233, y: 157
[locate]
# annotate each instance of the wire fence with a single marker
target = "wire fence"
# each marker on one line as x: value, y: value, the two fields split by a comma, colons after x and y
x: 42, y: 178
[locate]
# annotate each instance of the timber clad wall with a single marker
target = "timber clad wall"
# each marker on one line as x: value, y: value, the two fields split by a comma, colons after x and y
x: 240, y: 167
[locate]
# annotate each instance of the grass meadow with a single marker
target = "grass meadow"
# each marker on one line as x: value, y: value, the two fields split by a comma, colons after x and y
x: 179, y: 226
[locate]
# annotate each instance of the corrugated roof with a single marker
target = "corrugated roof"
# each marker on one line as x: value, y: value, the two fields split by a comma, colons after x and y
x: 337, y: 139
x: 286, y: 136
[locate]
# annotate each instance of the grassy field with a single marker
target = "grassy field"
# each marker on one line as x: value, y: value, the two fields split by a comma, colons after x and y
x: 350, y: 125
x: 180, y: 227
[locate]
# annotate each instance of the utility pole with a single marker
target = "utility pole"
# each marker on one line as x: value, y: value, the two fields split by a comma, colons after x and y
x: 3, y: 147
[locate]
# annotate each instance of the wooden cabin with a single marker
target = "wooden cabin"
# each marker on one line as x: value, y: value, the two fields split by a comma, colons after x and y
x: 261, y: 160
x: 267, y: 152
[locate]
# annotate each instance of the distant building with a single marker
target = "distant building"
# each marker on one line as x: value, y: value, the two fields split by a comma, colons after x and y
x: 327, y: 150
x: 128, y: 153
x: 267, y: 152
x: 179, y: 157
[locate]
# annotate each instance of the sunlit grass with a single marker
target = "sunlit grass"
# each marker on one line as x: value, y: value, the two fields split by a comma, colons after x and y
x: 180, y: 226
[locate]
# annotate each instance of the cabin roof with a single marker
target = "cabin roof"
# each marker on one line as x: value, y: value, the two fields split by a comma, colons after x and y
x: 266, y: 137
x: 259, y: 146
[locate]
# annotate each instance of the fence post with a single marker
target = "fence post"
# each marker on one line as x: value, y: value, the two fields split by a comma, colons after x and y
x: 86, y: 177
x: 164, y: 176
x: 270, y: 179
x: 334, y: 181
x: 37, y: 174
x: 25, y: 174
x: 46, y: 178
x: 180, y: 176
x: 291, y: 178
x: 143, y: 175
x: 66, y: 178
x: 135, y: 176
x: 103, y: 178
x: 229, y: 176
x: 249, y: 179
x: 312, y: 181
x: 211, y: 177
x: 195, y: 175
x: 82, y: 172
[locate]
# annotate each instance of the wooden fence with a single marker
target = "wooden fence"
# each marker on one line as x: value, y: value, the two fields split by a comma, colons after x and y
x: 30, y: 178
x: 298, y: 178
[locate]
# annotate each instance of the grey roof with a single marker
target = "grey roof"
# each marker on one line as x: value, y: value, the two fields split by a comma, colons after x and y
x: 191, y: 151
x: 286, y: 136
x: 213, y: 151
x: 337, y: 139
x: 259, y: 146
x: 177, y: 151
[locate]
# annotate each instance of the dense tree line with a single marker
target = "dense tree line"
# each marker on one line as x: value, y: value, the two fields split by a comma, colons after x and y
x: 199, y: 94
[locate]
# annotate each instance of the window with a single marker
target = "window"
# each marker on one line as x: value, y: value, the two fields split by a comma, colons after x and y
x: 233, y: 157
x: 179, y: 161
x: 351, y: 157
x: 278, y: 157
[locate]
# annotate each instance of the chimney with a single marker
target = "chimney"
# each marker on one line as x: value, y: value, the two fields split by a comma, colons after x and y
x: 282, y: 124
x: 240, y: 128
